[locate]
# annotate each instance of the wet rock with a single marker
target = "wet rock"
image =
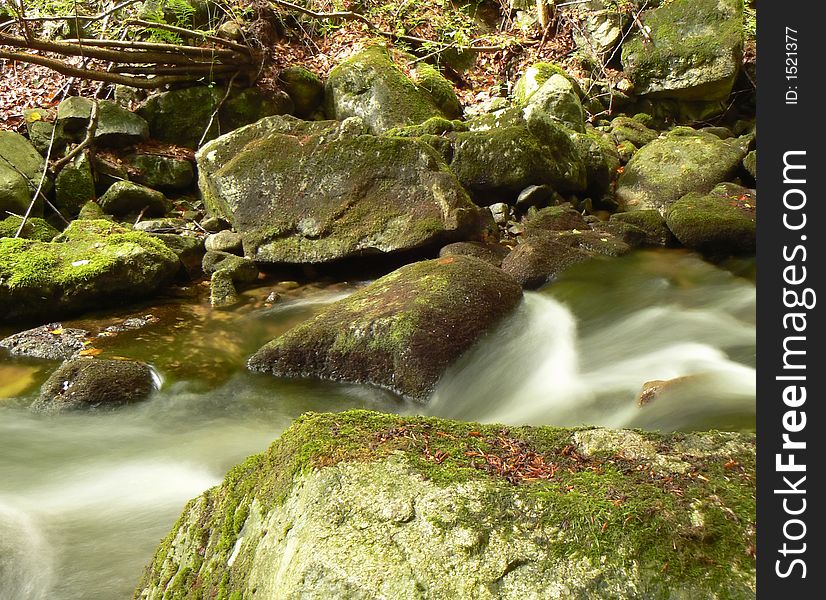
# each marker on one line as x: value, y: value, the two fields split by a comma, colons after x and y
x: 130, y: 324
x: 95, y: 384
x: 225, y: 241
x: 370, y: 86
x: 331, y: 192
x: 126, y: 198
x: 362, y: 505
x: 35, y: 228
x: 683, y: 161
x: 242, y: 270
x: 721, y: 221
x: 305, y: 88
x: 694, y: 52
x: 400, y: 332
x: 492, y: 253
x: 90, y: 263
x: 541, y: 258
x: 51, y: 341
x: 222, y: 292
x: 627, y: 233
x: 188, y: 248
x: 651, y: 222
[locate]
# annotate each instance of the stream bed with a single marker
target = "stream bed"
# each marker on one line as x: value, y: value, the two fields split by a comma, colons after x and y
x: 85, y: 498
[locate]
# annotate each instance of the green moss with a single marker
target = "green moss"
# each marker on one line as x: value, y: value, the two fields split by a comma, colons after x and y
x: 535, y: 76
x: 429, y: 80
x: 433, y: 126
x: 34, y: 229
x: 695, y: 525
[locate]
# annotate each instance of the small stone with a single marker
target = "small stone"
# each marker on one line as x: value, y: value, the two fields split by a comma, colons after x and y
x: 214, y: 224
x: 225, y: 241
x: 242, y: 270
x: 165, y: 225
x: 222, y: 292
x: 51, y: 341
x: 500, y: 212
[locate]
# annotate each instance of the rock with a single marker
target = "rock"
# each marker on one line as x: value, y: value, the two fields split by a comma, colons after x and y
x: 626, y: 151
x: 34, y: 229
x: 554, y: 218
x: 364, y: 505
x: 305, y: 89
x: 651, y: 222
x: 626, y: 129
x: 126, y: 198
x: 535, y: 195
x: 189, y: 250
x: 598, y: 33
x: 191, y: 14
x: 90, y: 263
x: 116, y: 126
x: 242, y: 270
x: 75, y: 185
x: 495, y: 165
x: 533, y: 79
x: 721, y: 221
x: 369, y: 85
x: 225, y: 241
x: 182, y: 116
x: 558, y: 99
x: 695, y: 50
x: 683, y: 161
x: 214, y: 224
x: 162, y: 172
x: 40, y: 128
x: 541, y: 258
x: 600, y: 159
x: 92, y: 211
x: 108, y: 170
x: 750, y: 164
x: 95, y: 384
x: 400, y: 332
x: 222, y: 291
x: 430, y: 80
x: 21, y: 168
x: 331, y: 194
x: 500, y: 212
x: 51, y: 342
x: 626, y: 233
x: 163, y: 225
x: 492, y: 253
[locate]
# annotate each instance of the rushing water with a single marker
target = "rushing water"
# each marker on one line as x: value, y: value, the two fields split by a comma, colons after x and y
x: 85, y: 498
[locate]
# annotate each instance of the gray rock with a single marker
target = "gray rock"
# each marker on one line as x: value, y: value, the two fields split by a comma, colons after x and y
x: 214, y: 224
x: 51, y: 342
x: 162, y: 172
x: 558, y: 99
x: 242, y: 270
x: 225, y: 241
x: 95, y: 384
x: 222, y: 291
x: 116, y: 126
x: 329, y: 194
x: 125, y: 198
x: 21, y: 168
x: 164, y: 225
x: 535, y: 195
x: 500, y: 212
x: 400, y: 332
x: 599, y: 32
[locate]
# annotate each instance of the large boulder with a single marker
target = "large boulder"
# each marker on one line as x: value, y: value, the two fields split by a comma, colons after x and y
x: 313, y: 192
x: 116, y: 126
x: 683, y: 161
x: 90, y: 264
x: 558, y: 99
x: 692, y: 51
x: 95, y: 384
x: 369, y: 85
x: 21, y: 168
x: 364, y: 505
x: 721, y: 221
x: 127, y: 198
x: 400, y: 332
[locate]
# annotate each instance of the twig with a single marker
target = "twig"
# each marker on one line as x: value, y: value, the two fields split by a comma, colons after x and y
x: 191, y: 33
x: 160, y: 47
x: 90, y: 134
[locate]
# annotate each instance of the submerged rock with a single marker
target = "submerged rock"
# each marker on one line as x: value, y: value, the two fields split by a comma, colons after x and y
x: 721, y: 221
x: 400, y: 332
x: 693, y: 51
x: 95, y: 384
x: 89, y: 264
x: 683, y: 161
x: 51, y: 341
x: 364, y: 505
x: 314, y: 192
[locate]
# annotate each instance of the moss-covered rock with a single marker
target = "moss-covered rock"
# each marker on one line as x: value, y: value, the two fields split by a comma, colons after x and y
x: 651, y: 222
x: 313, y: 192
x: 116, y: 126
x: 305, y: 88
x: 627, y: 129
x: 694, y: 52
x: 34, y: 229
x: 364, y: 505
x: 540, y: 258
x: 240, y: 269
x: 51, y: 342
x: 750, y: 164
x: 74, y: 185
x: 95, y: 384
x: 127, y: 198
x: 489, y: 252
x: 40, y: 128
x: 92, y: 263
x: 222, y: 292
x: 247, y: 106
x: 369, y: 85
x: 558, y: 99
x: 683, y: 161
x: 533, y: 79
x: 21, y: 168
x: 599, y: 32
x: 429, y: 79
x: 160, y: 172
x: 553, y: 218
x: 601, y: 160
x: 719, y: 222
x: 400, y: 332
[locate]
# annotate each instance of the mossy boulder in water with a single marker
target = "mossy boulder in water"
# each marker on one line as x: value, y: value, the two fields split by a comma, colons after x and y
x: 721, y: 221
x: 95, y: 384
x: 369, y: 85
x: 313, y: 192
x: 400, y: 332
x: 364, y: 505
x: 693, y: 51
x: 683, y: 161
x: 92, y: 263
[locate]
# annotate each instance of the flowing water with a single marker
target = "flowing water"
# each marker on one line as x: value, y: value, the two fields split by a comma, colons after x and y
x: 85, y: 498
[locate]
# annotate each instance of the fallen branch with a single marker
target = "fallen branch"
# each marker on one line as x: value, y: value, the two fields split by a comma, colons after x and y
x: 191, y: 33
x: 159, y: 47
x: 75, y: 17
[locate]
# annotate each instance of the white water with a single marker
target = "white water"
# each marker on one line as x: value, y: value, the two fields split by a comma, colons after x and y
x: 85, y: 498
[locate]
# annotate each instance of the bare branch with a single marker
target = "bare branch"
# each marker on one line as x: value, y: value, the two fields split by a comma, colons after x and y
x: 190, y: 33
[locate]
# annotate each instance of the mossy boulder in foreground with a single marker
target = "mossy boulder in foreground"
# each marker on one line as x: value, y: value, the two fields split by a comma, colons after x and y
x: 314, y: 192
x: 400, y: 332
x: 91, y: 263
x: 365, y: 505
